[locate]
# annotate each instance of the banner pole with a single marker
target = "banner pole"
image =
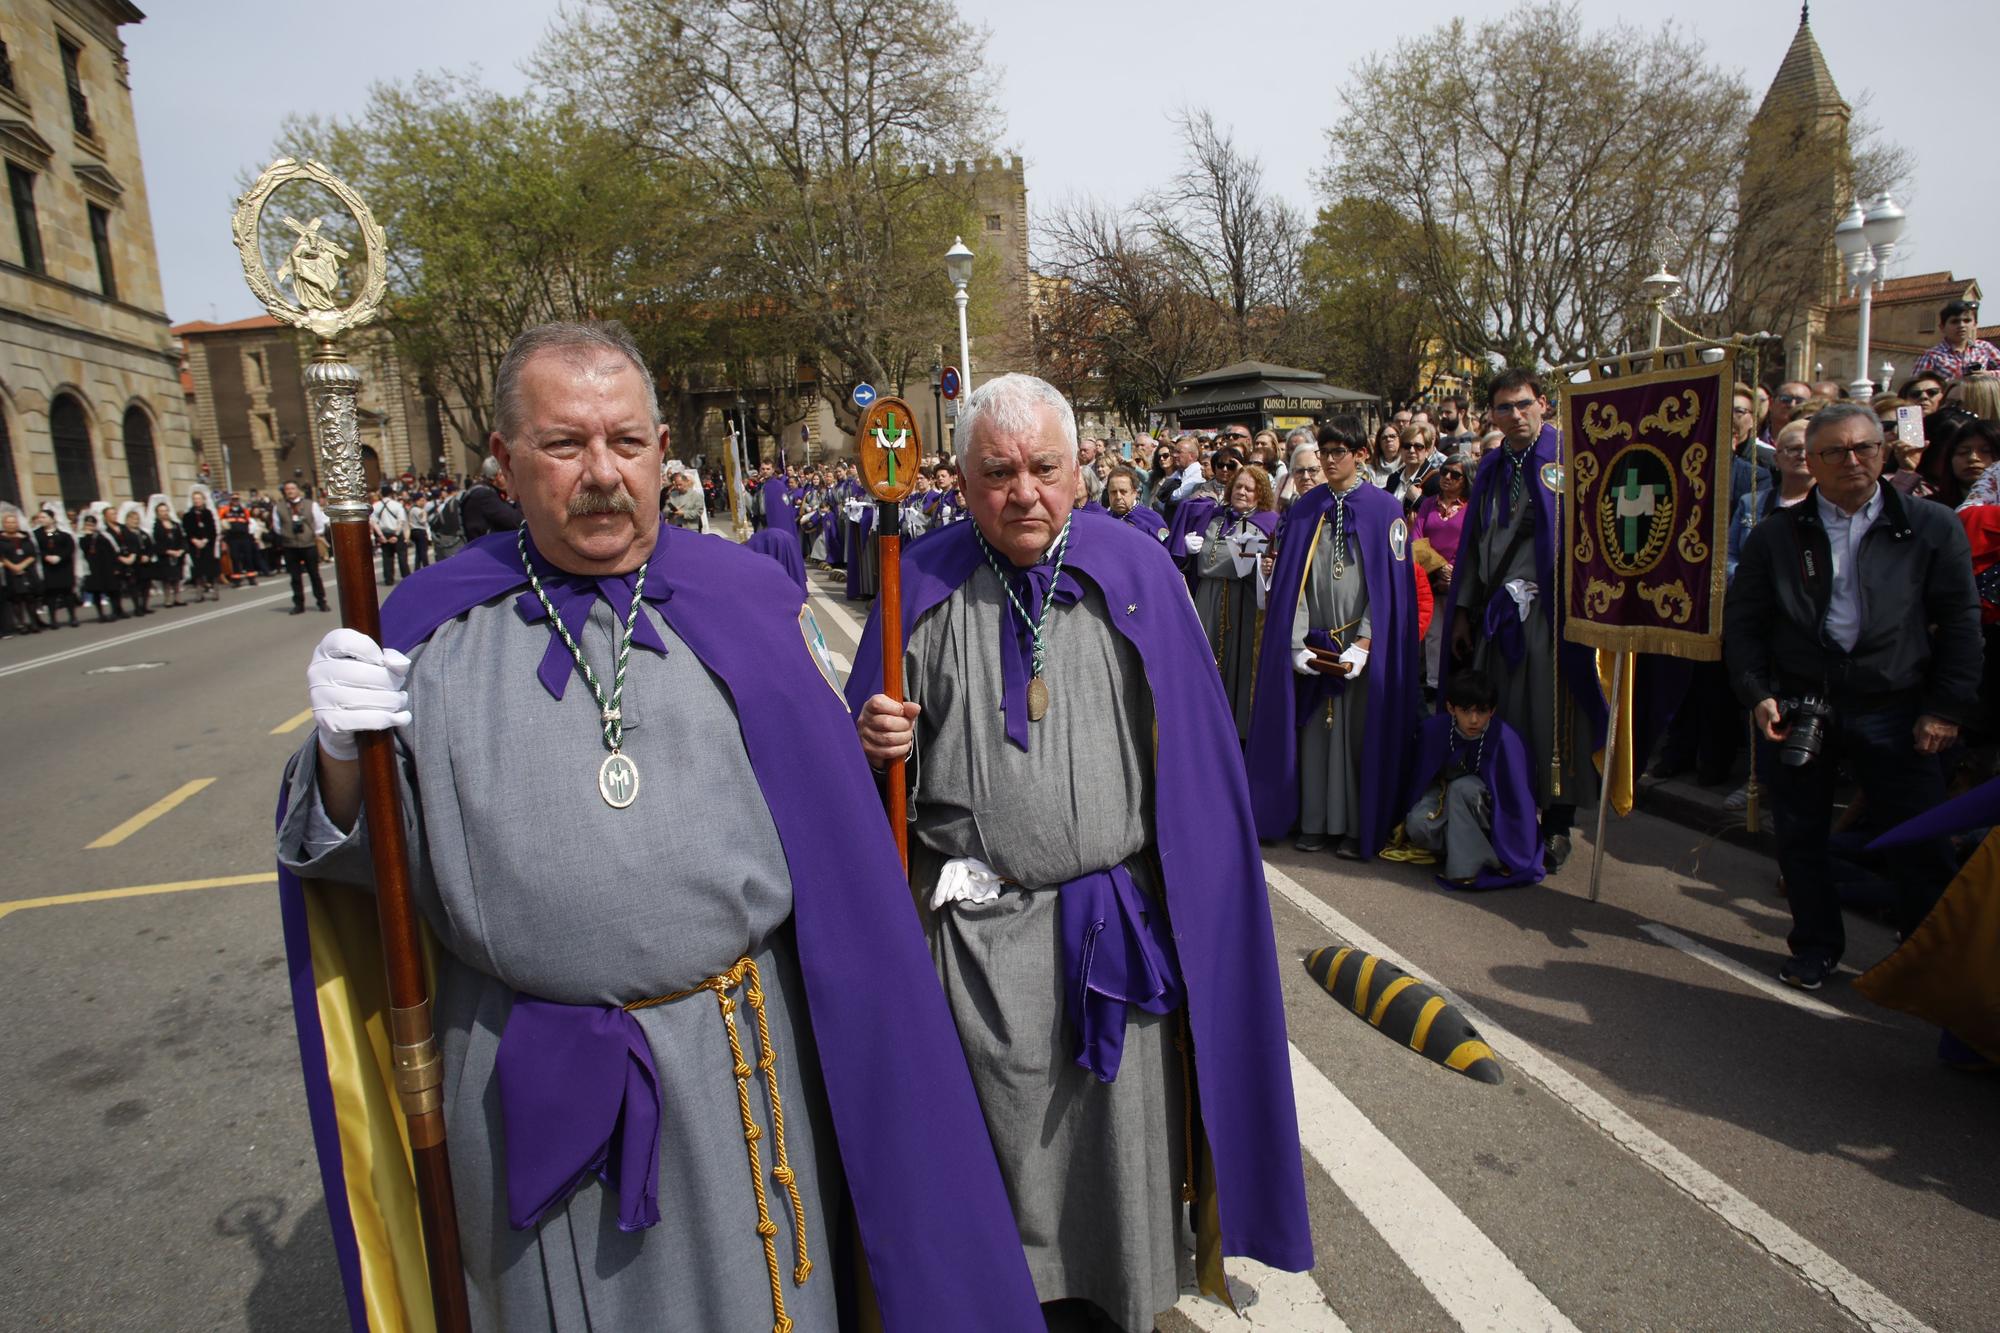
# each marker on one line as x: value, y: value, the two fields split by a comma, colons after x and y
x: 1618, y: 661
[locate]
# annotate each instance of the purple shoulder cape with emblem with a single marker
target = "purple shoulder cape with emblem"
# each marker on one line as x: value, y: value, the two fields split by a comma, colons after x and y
x: 1510, y: 782
x: 1216, y: 897
x: 781, y: 508
x: 933, y: 1215
x: 1544, y: 483
x: 1285, y: 700
x: 1149, y: 522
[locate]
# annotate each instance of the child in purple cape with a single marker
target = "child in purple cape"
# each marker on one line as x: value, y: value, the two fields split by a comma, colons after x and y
x: 1471, y: 795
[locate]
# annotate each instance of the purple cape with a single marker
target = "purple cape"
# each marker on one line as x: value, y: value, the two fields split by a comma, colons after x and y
x: 1286, y: 701
x: 783, y: 547
x: 1190, y: 515
x: 1509, y: 779
x: 931, y: 1208
x: 781, y: 510
x: 836, y: 530
x: 1577, y: 663
x: 1149, y: 522
x: 1216, y: 898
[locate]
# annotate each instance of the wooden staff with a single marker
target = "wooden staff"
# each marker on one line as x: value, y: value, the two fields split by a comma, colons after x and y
x: 890, y: 451
x: 332, y: 388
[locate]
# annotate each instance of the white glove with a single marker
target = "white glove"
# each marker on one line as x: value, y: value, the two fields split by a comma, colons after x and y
x: 966, y: 879
x: 1356, y: 658
x: 1302, y: 662
x: 1195, y: 541
x: 355, y: 685
x: 1523, y: 592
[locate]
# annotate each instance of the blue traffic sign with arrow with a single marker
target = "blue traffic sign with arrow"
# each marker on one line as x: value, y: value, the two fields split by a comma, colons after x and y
x: 864, y: 394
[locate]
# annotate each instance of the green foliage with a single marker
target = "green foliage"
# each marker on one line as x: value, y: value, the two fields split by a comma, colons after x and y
x: 1369, y: 318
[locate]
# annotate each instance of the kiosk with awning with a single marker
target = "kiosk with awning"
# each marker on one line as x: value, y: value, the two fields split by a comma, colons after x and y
x: 1261, y: 396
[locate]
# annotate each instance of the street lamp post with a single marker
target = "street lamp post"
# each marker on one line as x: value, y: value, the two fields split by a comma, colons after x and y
x: 958, y: 267
x: 1866, y: 238
x: 937, y: 400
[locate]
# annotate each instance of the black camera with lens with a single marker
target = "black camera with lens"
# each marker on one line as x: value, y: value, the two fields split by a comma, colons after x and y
x: 1806, y: 719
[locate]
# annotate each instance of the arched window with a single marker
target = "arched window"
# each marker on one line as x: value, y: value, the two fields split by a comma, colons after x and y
x: 142, y: 465
x: 10, y: 480
x: 371, y: 467
x: 75, y: 471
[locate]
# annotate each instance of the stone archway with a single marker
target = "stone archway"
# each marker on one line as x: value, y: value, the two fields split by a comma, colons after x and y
x: 142, y: 461
x: 76, y: 467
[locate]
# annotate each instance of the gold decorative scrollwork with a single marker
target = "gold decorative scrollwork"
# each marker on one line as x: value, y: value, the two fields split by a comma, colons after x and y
x: 1584, y: 469
x: 1693, y: 462
x: 1669, y: 600
x: 1601, y: 423
x: 1599, y: 595
x: 1668, y: 419
x: 314, y: 267
x: 1692, y: 548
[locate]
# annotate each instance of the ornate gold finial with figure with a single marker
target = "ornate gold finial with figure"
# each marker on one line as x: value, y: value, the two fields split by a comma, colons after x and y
x: 314, y: 266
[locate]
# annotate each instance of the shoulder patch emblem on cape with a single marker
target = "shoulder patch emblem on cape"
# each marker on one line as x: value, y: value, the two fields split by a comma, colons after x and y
x: 1552, y: 477
x: 822, y: 656
x: 1165, y: 533
x: 1399, y: 539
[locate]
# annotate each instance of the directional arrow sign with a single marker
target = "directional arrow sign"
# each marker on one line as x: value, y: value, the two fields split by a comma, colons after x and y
x: 948, y: 382
x: 864, y: 394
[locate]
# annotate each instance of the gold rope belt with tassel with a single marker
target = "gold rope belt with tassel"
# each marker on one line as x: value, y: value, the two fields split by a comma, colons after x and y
x: 744, y: 974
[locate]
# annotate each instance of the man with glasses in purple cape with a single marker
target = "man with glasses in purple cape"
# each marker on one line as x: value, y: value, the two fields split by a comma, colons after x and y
x: 1503, y: 616
x: 1094, y: 897
x: 704, y: 1081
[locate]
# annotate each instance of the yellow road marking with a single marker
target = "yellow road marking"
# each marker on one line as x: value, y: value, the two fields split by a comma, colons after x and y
x: 294, y: 724
x: 103, y: 895
x: 148, y: 815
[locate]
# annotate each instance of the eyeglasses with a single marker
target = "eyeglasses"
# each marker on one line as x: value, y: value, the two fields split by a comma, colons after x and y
x: 1743, y: 411
x: 1511, y: 409
x: 1306, y: 471
x: 1451, y: 474
x: 1860, y: 453
x: 1795, y: 451
x: 1790, y: 400
x: 1227, y: 465
x: 1333, y: 453
x: 1932, y: 392
x: 1237, y: 435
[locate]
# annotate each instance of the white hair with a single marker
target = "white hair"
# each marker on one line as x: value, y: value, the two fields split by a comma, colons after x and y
x: 1014, y: 403
x: 1300, y: 452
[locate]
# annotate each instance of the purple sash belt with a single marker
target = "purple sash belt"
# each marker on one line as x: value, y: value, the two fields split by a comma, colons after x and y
x: 579, y: 1096
x: 1116, y: 951
x: 1503, y: 626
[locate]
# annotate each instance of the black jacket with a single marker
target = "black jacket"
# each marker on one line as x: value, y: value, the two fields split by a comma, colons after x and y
x: 483, y: 511
x: 1919, y: 611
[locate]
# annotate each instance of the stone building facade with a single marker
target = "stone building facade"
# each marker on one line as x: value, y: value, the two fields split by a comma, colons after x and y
x: 90, y: 398
x: 251, y: 428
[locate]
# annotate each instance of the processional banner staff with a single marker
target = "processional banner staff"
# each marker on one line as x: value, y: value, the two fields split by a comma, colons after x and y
x: 313, y: 270
x: 890, y: 452
x: 1646, y: 439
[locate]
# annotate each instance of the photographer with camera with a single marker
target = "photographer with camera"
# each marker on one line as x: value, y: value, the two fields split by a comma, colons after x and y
x: 1852, y: 632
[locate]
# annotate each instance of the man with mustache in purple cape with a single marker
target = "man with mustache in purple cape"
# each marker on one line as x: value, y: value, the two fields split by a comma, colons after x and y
x: 704, y: 1081
x: 1094, y: 897
x: 1327, y: 750
x: 1505, y: 617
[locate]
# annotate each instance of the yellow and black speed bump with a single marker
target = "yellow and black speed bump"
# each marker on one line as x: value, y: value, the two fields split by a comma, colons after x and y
x: 1402, y: 1008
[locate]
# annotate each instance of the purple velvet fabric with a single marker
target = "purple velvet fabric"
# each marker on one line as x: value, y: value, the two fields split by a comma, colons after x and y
x: 1977, y: 808
x: 1147, y: 521
x: 1489, y: 484
x: 782, y: 547
x: 902, y: 1107
x: 1116, y: 952
x: 781, y: 508
x: 1218, y: 910
x: 1510, y: 781
x: 1286, y: 700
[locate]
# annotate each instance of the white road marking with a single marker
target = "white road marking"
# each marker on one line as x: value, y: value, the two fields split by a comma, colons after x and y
x: 1478, y: 1285
x: 139, y: 634
x: 1775, y: 989
x: 1268, y: 1298
x: 837, y: 608
x: 1814, y: 1266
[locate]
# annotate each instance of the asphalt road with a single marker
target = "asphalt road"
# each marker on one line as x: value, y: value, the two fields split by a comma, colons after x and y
x: 1675, y: 1146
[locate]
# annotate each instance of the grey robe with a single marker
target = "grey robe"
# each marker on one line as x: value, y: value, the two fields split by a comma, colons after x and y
x: 1330, y: 740
x: 1230, y: 617
x: 533, y: 884
x: 1093, y: 1170
x: 1528, y: 691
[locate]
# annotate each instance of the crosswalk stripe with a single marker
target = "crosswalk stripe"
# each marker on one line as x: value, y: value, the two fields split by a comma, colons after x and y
x: 1268, y: 1298
x: 1775, y: 990
x: 1812, y: 1265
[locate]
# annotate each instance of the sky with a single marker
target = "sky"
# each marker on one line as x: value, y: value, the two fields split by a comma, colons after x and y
x: 1088, y: 89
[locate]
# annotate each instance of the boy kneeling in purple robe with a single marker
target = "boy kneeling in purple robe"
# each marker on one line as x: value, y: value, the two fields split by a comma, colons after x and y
x: 1471, y: 795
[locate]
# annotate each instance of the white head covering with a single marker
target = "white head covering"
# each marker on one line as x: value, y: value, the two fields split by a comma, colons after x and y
x: 55, y: 510
x: 9, y: 507
x: 128, y: 508
x: 97, y: 509
x: 207, y: 493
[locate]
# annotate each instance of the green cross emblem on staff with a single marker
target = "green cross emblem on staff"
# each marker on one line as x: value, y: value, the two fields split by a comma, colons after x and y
x: 891, y: 441
x: 1635, y: 502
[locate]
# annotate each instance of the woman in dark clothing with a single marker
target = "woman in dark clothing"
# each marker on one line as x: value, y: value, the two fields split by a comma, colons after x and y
x: 135, y: 559
x: 58, y: 552
x: 204, y: 558
x: 104, y: 576
x: 169, y: 549
x: 20, y: 581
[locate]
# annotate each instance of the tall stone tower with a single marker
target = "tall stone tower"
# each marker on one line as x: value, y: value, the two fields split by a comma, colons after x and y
x: 1798, y: 178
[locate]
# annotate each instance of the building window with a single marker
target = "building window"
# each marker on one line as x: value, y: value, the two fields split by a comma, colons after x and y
x: 993, y: 222
x: 79, y: 105
x: 6, y: 69
x: 21, y: 184
x: 10, y: 480
x: 69, y: 428
x: 142, y: 464
x: 100, y: 237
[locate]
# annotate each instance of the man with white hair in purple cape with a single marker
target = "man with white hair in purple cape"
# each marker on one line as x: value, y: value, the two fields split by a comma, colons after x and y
x: 623, y: 1014
x: 1094, y: 897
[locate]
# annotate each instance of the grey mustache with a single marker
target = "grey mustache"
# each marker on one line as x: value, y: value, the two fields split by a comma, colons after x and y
x: 601, y: 502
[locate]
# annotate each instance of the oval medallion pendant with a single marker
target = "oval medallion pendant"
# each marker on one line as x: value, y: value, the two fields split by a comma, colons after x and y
x: 1038, y: 699
x: 618, y: 780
